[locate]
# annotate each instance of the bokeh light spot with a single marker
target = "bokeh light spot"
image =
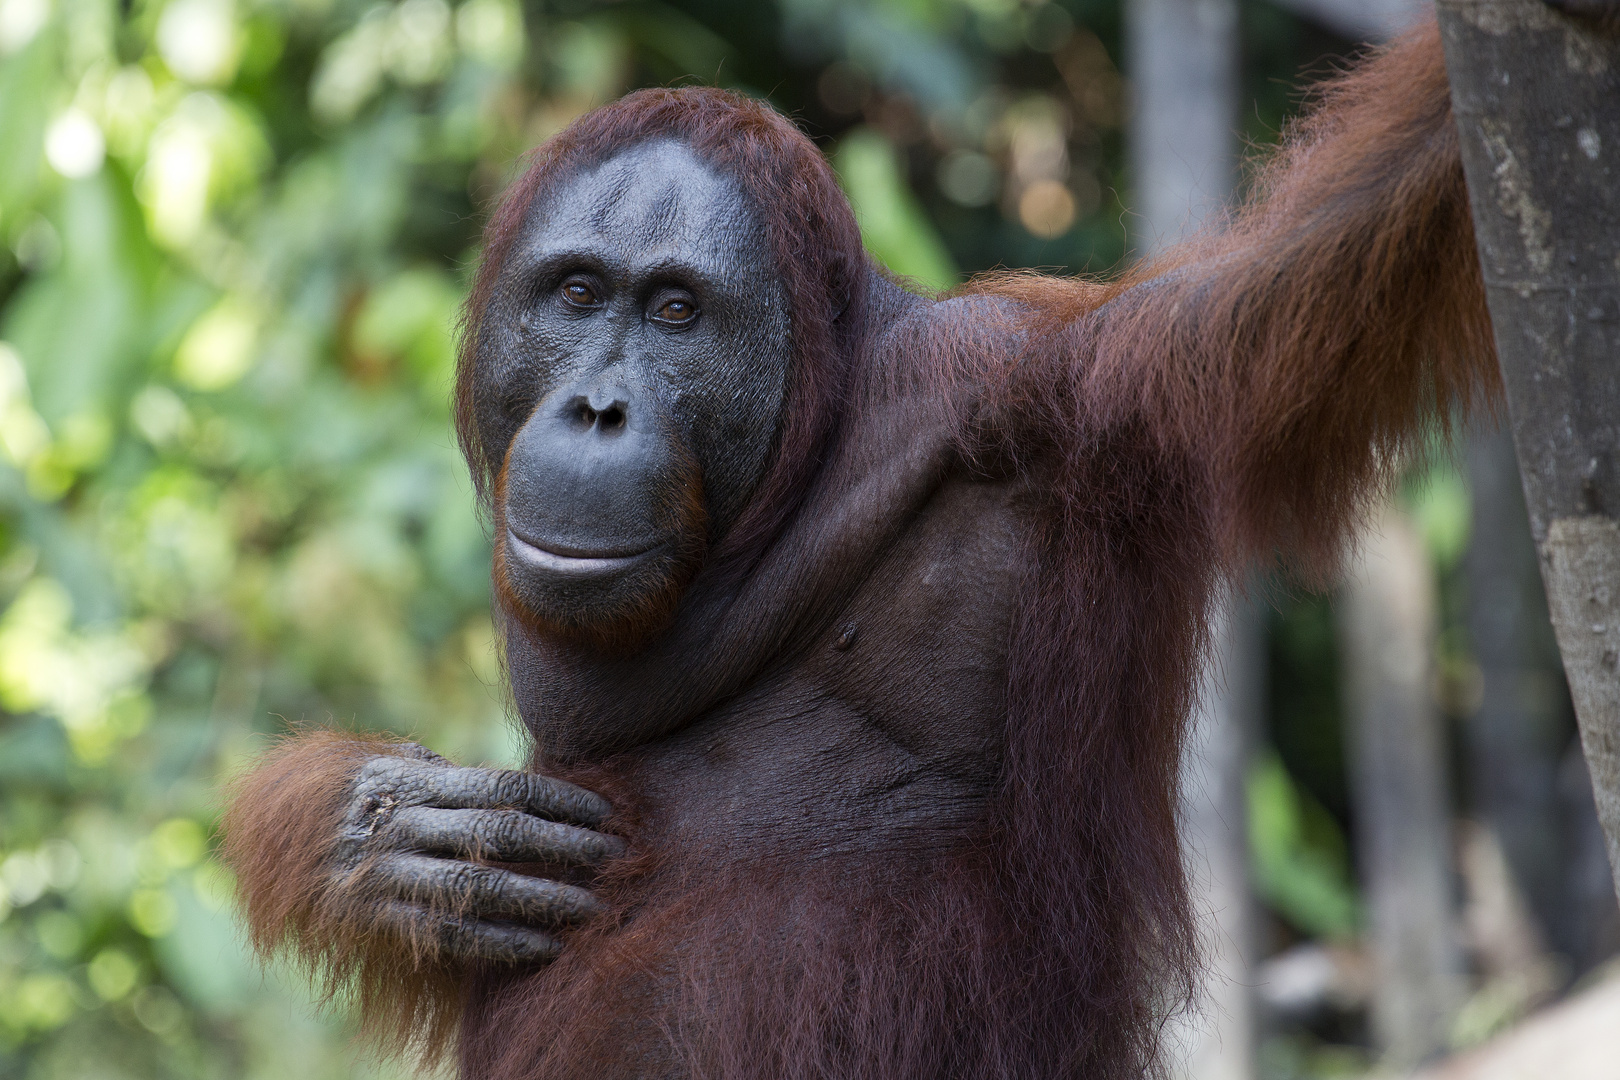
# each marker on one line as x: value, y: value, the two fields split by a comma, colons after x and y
x: 1046, y: 208
x: 112, y: 974
x: 74, y: 145
x: 218, y: 349
x: 968, y: 178
x: 152, y: 912
x: 198, y: 40
x: 20, y: 20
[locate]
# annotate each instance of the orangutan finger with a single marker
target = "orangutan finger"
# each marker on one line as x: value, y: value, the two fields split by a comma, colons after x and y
x: 504, y: 835
x: 418, y: 752
x: 482, y: 891
x: 469, y: 939
x: 426, y: 784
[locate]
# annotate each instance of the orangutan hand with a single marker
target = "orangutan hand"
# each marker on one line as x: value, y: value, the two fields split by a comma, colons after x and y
x: 417, y: 834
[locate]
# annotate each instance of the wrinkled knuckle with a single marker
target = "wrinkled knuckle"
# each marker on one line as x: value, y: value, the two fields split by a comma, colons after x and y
x: 574, y: 905
x: 569, y: 838
x: 509, y: 788
x: 585, y: 903
x: 417, y: 752
x: 378, y: 876
x: 458, y: 879
x: 347, y: 853
x: 413, y: 788
x: 378, y: 770
x: 540, y: 790
x: 486, y: 882
x: 391, y: 831
x: 507, y: 830
x: 454, y: 935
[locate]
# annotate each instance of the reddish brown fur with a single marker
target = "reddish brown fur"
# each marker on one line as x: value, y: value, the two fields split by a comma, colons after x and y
x: 1242, y: 397
x: 1294, y: 356
x: 280, y: 832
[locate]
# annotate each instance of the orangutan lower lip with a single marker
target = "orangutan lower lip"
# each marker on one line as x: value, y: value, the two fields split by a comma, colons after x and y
x: 562, y: 559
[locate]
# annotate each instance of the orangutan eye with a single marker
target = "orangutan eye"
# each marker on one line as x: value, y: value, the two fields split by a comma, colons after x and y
x: 676, y: 311
x: 579, y: 292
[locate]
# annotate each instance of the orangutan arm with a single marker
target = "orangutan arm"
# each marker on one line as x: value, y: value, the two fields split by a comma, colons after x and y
x: 1340, y: 319
x: 366, y: 859
x: 1283, y: 364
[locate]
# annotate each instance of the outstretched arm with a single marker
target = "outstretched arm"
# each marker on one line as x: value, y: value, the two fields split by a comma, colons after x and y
x: 369, y: 860
x: 1287, y: 360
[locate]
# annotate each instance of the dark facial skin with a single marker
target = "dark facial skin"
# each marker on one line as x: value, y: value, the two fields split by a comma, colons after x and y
x: 634, y: 356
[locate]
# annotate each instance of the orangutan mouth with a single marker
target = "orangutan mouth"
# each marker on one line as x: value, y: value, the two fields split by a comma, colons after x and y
x: 558, y: 558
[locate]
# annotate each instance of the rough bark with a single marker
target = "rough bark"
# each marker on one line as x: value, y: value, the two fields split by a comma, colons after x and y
x: 1537, y: 101
x: 1398, y: 771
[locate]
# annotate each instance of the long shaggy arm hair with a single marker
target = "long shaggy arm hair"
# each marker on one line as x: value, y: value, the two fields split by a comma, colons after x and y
x: 1292, y: 356
x: 282, y: 830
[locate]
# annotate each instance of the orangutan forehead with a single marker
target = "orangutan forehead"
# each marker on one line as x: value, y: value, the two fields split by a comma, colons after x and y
x: 658, y: 194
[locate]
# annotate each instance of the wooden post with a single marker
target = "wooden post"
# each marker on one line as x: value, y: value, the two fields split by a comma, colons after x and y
x: 1517, y: 736
x: 1537, y: 98
x: 1398, y: 774
x: 1528, y: 785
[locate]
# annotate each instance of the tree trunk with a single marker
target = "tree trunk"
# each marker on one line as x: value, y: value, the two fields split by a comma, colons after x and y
x: 1183, y: 63
x: 1183, y: 60
x: 1537, y: 98
x: 1398, y: 771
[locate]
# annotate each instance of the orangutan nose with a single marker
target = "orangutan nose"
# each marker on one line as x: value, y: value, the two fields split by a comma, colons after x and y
x: 587, y: 472
x: 608, y: 412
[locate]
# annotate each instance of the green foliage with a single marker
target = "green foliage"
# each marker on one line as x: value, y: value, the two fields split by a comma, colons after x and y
x: 1438, y: 502
x: 229, y: 498
x: 1301, y: 865
x: 893, y: 224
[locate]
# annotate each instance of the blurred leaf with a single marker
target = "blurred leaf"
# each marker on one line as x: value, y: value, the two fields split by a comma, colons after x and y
x: 208, y: 963
x: 83, y: 356
x: 893, y: 224
x: 1299, y: 860
x: 26, y: 90
x: 1440, y: 506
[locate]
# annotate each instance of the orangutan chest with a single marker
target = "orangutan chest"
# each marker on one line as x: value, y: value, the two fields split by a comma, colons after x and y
x: 886, y: 730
